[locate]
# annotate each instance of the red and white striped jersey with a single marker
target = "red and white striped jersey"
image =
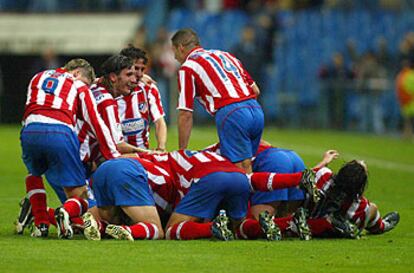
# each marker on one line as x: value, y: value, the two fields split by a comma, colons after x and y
x: 188, y: 167
x: 357, y: 212
x: 108, y: 110
x: 216, y: 78
x: 160, y: 180
x: 137, y: 110
x: 56, y: 97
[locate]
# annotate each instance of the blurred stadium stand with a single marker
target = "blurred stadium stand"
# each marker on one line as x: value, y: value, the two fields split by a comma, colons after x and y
x: 292, y: 93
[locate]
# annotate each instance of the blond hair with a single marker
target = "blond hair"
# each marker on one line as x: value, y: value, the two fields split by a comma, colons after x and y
x: 84, y: 67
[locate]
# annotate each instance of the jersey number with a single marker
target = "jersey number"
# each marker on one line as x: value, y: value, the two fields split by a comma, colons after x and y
x: 227, y: 65
x: 49, y: 85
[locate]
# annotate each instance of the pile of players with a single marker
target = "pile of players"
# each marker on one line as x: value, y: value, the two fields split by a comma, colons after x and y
x: 89, y: 137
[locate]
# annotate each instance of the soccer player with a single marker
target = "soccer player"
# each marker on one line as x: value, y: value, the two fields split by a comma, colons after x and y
x: 206, y: 181
x: 342, y: 210
x: 117, y: 78
x: 56, y: 99
x: 142, y: 106
x: 121, y: 187
x: 226, y: 90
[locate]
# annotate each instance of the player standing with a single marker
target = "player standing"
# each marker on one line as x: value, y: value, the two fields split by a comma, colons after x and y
x: 55, y: 100
x: 142, y: 106
x: 226, y: 90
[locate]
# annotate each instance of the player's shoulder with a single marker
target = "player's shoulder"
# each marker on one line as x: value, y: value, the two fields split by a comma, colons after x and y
x: 323, y: 172
x: 100, y: 93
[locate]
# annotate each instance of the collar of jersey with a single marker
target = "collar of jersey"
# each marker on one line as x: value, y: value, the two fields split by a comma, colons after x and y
x: 198, y: 48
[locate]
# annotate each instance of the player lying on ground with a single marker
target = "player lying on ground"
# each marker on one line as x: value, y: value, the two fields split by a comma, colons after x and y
x: 209, y: 182
x: 342, y: 211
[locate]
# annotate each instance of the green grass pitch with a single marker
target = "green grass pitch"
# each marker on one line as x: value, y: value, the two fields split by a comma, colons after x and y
x: 391, y: 187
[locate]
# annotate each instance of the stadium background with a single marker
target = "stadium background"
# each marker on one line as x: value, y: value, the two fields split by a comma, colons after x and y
x: 288, y: 46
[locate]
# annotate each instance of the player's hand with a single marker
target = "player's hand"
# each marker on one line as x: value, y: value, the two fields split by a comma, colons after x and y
x: 147, y: 79
x: 330, y: 156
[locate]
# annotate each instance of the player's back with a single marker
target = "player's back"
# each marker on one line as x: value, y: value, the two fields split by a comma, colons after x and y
x: 221, y: 75
x: 52, y: 95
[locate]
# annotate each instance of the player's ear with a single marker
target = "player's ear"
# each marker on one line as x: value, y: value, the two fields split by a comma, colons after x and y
x: 112, y: 77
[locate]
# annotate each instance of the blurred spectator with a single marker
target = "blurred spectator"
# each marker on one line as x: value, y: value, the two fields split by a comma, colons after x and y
x: 352, y: 56
x: 405, y: 94
x: 384, y: 56
x: 264, y: 19
x: 406, y: 49
x: 372, y: 81
x: 250, y: 54
x: 139, y: 40
x: 48, y: 60
x: 163, y: 63
x: 337, y: 79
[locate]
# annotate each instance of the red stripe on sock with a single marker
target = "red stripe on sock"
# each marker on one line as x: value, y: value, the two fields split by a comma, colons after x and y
x: 38, y: 199
x: 72, y: 206
x: 251, y: 229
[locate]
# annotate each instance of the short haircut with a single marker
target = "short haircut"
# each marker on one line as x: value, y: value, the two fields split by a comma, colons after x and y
x: 185, y: 37
x: 134, y: 53
x: 84, y: 66
x: 115, y: 64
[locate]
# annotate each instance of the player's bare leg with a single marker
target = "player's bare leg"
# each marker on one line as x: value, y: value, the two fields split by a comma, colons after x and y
x: 292, y: 206
x: 147, y: 215
x: 271, y: 208
x: 145, y: 221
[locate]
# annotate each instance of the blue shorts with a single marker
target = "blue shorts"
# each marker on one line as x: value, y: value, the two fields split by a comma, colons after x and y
x: 53, y: 149
x: 279, y: 161
x: 240, y: 127
x: 121, y: 182
x: 220, y: 188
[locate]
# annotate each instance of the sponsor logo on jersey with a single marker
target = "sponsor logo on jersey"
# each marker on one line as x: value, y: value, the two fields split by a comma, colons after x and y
x: 133, y: 126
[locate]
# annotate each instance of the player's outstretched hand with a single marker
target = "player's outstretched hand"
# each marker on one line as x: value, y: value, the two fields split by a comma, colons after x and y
x: 330, y: 156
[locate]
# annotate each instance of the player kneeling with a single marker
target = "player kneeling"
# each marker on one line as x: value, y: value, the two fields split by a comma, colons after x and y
x: 229, y: 190
x: 121, y: 188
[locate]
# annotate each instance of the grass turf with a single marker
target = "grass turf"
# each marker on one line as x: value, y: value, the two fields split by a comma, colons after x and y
x: 391, y: 168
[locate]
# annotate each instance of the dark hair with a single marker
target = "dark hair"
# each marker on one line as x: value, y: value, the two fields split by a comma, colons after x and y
x: 134, y: 53
x: 185, y: 37
x: 115, y: 64
x: 352, y: 180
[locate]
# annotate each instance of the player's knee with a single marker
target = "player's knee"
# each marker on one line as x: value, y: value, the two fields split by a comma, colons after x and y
x: 80, y: 192
x: 373, y: 209
x: 161, y: 233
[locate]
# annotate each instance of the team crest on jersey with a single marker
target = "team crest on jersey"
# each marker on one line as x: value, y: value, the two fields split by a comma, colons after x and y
x: 142, y: 107
x: 189, y: 153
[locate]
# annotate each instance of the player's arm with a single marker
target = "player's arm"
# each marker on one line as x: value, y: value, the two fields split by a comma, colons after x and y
x: 186, y: 86
x: 157, y: 115
x: 185, y: 125
x: 328, y: 157
x: 89, y: 112
x: 256, y: 89
x: 110, y: 115
x: 161, y: 134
